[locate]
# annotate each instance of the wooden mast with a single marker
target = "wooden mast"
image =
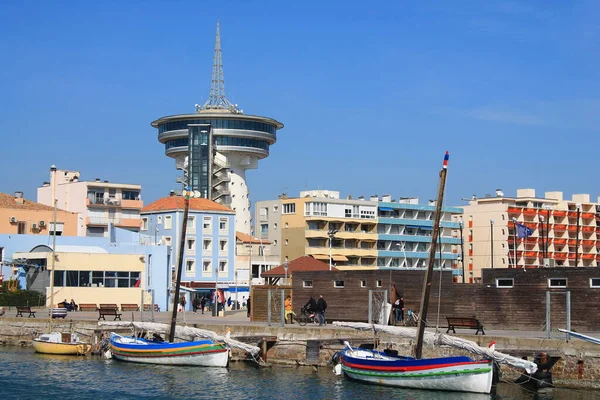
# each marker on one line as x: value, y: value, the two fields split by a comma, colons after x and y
x: 429, y: 272
x: 179, y: 264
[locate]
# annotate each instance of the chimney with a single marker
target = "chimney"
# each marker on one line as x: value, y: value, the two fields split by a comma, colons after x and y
x: 374, y: 198
x: 19, y: 198
x: 46, y: 184
x: 97, y: 180
x: 171, y: 193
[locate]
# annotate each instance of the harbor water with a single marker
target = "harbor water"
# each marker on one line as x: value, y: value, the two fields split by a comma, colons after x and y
x: 27, y: 375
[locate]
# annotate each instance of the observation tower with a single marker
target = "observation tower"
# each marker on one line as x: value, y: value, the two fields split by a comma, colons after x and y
x: 217, y: 144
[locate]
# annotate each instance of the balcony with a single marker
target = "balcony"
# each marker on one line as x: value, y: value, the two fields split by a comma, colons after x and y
x: 588, y: 256
x: 132, y: 204
x: 560, y: 242
x: 514, y: 211
x: 588, y: 243
x: 560, y: 255
x: 531, y: 254
x: 128, y: 222
x: 103, y: 202
x: 560, y: 227
x: 588, y: 229
x: 559, y: 213
x: 588, y: 215
x: 572, y: 242
x: 530, y: 211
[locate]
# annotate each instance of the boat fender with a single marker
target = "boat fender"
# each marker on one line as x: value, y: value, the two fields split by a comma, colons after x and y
x: 337, y: 369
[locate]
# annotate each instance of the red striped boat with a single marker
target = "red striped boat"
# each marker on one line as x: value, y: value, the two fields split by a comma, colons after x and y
x: 458, y: 374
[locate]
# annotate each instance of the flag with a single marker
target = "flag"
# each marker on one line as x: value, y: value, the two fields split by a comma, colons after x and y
x: 523, y: 231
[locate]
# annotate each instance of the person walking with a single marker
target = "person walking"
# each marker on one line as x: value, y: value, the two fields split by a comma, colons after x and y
x: 249, y: 304
x: 288, y: 309
x: 203, y: 303
x: 182, y: 302
x: 196, y: 304
x: 321, y: 307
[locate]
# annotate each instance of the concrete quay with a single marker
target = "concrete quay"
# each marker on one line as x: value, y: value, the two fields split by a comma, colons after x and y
x: 294, y: 345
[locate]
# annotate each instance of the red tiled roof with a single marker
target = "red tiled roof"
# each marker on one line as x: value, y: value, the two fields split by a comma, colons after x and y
x: 8, y: 201
x: 245, y: 238
x: 304, y: 263
x: 178, y: 203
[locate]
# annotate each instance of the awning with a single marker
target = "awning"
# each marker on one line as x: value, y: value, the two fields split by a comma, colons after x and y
x: 320, y: 256
x: 413, y: 226
x: 339, y: 258
x: 426, y: 228
x: 386, y: 209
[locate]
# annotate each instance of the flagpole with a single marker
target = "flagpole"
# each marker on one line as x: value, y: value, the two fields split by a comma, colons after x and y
x: 515, y: 242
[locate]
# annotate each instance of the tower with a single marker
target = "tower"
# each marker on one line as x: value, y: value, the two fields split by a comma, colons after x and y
x: 237, y: 141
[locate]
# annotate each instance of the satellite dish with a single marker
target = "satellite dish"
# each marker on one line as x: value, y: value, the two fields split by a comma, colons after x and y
x: 184, y: 192
x: 196, y: 194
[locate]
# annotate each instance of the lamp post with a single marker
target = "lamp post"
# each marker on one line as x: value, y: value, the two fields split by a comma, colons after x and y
x: 331, y: 235
x: 541, y: 217
x: 285, y: 268
x: 578, y: 206
x: 216, y: 302
x: 462, y: 250
x: 515, y: 230
x: 235, y: 275
x: 249, y: 247
x: 492, y: 241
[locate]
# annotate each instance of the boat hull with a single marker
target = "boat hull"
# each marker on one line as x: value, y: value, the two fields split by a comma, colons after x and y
x: 61, y: 348
x: 204, y: 353
x: 459, y: 374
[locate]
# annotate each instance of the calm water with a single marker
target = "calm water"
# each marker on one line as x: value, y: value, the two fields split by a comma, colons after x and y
x: 26, y: 375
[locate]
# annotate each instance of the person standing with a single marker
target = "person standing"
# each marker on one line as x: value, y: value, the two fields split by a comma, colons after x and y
x: 288, y: 309
x: 182, y: 302
x: 249, y: 304
x: 400, y: 310
x: 321, y: 307
x: 196, y: 304
x: 203, y: 303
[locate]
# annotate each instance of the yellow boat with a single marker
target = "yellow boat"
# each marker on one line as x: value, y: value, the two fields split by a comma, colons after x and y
x: 61, y: 343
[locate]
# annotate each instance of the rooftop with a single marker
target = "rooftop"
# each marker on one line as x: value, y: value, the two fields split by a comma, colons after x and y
x: 245, y: 238
x: 304, y: 263
x: 178, y: 203
x: 9, y: 201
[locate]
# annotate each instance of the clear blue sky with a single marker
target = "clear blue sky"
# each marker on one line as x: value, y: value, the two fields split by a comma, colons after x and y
x: 371, y: 93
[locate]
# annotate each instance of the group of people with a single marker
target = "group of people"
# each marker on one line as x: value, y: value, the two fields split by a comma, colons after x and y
x: 204, y: 302
x: 312, y: 306
x: 69, y: 305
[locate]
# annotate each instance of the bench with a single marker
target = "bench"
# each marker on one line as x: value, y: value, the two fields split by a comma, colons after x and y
x: 148, y: 307
x: 116, y: 307
x: 88, y: 307
x: 108, y: 311
x: 464, y: 322
x: 130, y: 307
x: 25, y: 309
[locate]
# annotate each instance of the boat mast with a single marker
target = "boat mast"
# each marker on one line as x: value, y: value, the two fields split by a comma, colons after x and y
x: 53, y: 261
x: 429, y: 272
x: 179, y: 264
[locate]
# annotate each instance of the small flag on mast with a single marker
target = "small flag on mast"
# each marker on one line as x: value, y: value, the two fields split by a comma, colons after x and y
x: 446, y: 160
x: 523, y: 231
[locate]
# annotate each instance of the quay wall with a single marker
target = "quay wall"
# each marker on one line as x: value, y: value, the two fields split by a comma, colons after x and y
x: 579, y: 366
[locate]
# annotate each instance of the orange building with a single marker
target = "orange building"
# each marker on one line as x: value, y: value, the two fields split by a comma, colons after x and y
x: 25, y: 217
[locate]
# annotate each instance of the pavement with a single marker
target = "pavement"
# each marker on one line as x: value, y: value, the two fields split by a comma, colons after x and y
x: 239, y: 317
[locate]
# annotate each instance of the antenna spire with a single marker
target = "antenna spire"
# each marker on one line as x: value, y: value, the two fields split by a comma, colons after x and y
x: 217, y: 99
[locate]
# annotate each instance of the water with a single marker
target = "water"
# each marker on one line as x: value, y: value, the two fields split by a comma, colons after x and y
x: 27, y: 375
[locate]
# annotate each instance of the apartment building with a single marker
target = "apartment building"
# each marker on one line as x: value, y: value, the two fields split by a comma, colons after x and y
x: 25, y: 217
x: 564, y: 232
x: 254, y: 254
x: 363, y: 233
x: 97, y: 202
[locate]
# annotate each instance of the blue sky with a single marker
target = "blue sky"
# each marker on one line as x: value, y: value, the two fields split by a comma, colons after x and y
x: 371, y: 93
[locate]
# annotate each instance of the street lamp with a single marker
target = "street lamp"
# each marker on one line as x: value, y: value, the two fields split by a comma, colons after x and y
x: 235, y: 275
x: 331, y: 235
x: 285, y: 268
x: 492, y: 241
x: 578, y: 206
x: 462, y: 249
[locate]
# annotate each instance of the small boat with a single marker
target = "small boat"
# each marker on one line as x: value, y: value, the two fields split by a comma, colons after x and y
x: 203, y: 353
x: 458, y: 374
x: 60, y: 343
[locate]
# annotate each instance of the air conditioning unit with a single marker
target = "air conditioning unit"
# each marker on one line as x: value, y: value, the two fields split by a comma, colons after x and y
x: 34, y: 226
x: 549, y: 263
x: 42, y: 224
x: 13, y: 220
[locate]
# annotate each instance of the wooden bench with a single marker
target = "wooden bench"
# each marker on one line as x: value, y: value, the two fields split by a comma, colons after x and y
x: 25, y: 309
x: 464, y: 322
x: 148, y: 307
x: 108, y: 311
x: 88, y: 307
x: 130, y: 307
x: 116, y: 307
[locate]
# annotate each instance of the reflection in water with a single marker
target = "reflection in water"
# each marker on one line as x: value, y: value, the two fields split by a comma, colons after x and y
x: 66, y: 378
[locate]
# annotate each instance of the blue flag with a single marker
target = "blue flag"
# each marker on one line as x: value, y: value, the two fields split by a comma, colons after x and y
x: 523, y: 231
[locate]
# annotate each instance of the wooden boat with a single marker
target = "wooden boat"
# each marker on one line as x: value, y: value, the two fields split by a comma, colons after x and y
x: 459, y: 374
x: 203, y: 353
x: 61, y: 343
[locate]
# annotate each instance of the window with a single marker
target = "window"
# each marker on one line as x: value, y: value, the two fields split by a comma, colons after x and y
x: 275, y: 208
x: 275, y: 225
x: 307, y: 284
x: 190, y: 267
x: 159, y: 220
x: 505, y: 283
x: 167, y: 240
x: 121, y: 279
x: 264, y: 212
x: 21, y: 228
x: 130, y: 195
x: 206, y: 267
x: 223, y: 224
x: 191, y: 245
x: 274, y: 242
x: 191, y: 224
x: 207, y: 224
x: 348, y: 212
x: 287, y: 225
x: 264, y: 229
x: 289, y: 208
x: 145, y: 224
x: 286, y: 242
x: 379, y: 283
x: 363, y: 283
x: 222, y: 266
x: 206, y: 245
x: 223, y: 245
x: 594, y: 282
x: 168, y: 222
x: 338, y: 284
x: 503, y: 232
x: 557, y: 282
